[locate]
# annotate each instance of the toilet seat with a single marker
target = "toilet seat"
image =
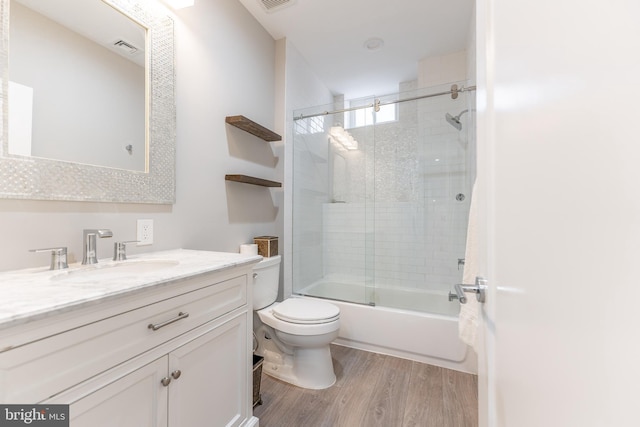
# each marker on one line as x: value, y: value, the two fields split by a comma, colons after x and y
x: 305, y: 311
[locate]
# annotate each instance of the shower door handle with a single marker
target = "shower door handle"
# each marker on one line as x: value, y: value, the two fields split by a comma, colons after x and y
x: 479, y: 289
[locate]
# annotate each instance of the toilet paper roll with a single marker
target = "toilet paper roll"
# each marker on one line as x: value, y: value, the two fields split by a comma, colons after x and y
x: 249, y: 249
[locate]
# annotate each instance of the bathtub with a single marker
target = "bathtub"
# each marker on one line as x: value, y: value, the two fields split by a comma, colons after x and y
x: 424, y: 337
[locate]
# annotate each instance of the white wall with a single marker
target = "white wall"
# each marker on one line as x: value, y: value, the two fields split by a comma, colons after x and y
x: 441, y: 69
x: 225, y: 65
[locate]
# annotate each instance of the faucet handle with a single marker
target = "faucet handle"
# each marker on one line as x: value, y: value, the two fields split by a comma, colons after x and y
x: 120, y: 250
x: 58, y: 257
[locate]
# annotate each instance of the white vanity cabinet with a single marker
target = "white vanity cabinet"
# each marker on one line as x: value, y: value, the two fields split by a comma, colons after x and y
x: 194, y: 385
x: 113, y: 369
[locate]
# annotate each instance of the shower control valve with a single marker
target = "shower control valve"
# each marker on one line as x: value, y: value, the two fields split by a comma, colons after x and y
x: 479, y: 289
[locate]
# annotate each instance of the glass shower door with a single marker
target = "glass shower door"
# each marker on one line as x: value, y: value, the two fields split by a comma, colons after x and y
x: 381, y: 199
x: 332, y: 224
x: 422, y: 190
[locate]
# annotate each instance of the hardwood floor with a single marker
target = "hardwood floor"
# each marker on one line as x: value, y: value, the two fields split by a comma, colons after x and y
x: 374, y: 390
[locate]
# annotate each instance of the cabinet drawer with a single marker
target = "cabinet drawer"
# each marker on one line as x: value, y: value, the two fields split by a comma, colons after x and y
x: 39, y: 370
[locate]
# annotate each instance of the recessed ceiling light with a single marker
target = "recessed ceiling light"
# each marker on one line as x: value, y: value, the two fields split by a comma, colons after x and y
x: 373, y: 43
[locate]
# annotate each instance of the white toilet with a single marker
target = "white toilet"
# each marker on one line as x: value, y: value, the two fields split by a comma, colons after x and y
x: 293, y: 336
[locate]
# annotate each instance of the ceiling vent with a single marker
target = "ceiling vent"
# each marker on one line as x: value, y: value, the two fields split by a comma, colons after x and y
x: 271, y: 6
x: 125, y: 47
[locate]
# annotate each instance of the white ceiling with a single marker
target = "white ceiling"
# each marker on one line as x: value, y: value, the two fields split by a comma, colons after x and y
x: 330, y: 35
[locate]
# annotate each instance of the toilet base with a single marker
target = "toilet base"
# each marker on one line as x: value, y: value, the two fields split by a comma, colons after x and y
x: 298, y: 354
x: 310, y: 368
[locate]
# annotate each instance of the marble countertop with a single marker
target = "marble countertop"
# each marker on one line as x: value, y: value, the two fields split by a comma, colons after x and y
x: 36, y: 293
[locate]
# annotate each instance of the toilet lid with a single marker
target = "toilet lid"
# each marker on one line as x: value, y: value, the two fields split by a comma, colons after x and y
x: 306, y: 311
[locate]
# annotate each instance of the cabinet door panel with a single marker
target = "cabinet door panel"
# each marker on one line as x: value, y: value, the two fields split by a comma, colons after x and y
x: 136, y: 400
x: 213, y: 373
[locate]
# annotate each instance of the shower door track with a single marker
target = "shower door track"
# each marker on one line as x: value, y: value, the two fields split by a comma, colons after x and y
x: 377, y: 104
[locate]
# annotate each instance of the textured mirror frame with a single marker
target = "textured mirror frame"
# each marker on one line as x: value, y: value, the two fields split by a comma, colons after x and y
x: 45, y: 179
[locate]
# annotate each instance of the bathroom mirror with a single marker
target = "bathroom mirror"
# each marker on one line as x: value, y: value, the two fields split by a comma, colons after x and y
x: 77, y: 86
x: 148, y: 179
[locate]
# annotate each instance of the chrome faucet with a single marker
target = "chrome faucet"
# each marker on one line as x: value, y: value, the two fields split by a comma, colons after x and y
x: 89, y: 252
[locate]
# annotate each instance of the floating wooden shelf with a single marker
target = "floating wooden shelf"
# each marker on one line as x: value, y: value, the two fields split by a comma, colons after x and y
x: 241, y: 122
x: 252, y: 180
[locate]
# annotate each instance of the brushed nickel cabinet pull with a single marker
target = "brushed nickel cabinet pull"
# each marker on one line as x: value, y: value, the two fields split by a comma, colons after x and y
x: 157, y: 326
x: 165, y: 381
x: 176, y: 374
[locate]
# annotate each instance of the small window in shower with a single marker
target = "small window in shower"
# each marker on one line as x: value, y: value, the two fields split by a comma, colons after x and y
x: 367, y: 116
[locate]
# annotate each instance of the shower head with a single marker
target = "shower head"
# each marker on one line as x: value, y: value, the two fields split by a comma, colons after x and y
x: 455, y: 120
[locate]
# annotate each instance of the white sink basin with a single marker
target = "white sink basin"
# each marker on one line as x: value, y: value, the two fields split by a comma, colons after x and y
x: 114, y: 270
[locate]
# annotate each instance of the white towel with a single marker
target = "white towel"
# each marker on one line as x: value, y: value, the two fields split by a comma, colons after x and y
x: 469, y: 312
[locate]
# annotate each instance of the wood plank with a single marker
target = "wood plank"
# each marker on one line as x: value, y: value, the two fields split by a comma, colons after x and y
x: 279, y: 400
x: 301, y: 407
x: 425, y: 406
x: 373, y: 389
x: 247, y: 125
x: 360, y: 377
x: 390, y: 394
x: 252, y: 180
x: 460, y: 399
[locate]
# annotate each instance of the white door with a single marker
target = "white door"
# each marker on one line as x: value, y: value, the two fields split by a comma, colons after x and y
x: 559, y: 163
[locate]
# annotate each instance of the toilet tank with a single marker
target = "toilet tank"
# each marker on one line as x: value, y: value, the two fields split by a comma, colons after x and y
x: 266, y: 277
